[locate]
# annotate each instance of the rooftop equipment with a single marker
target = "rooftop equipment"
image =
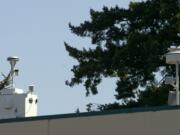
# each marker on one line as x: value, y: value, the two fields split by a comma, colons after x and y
x: 173, y: 57
x: 15, y: 102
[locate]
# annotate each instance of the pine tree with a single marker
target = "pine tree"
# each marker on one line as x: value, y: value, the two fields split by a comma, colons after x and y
x: 129, y: 44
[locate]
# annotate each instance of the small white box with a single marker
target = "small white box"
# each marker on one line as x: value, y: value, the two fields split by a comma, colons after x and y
x: 172, y: 98
x: 173, y: 57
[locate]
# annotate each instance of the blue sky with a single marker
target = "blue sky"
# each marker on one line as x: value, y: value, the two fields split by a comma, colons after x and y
x: 35, y: 30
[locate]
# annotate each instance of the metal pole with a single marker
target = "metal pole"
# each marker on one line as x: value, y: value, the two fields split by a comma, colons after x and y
x: 177, y: 84
x: 12, y: 76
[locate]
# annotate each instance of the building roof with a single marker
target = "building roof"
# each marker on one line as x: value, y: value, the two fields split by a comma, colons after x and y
x: 90, y: 114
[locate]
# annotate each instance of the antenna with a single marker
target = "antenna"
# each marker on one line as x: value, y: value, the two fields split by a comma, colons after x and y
x: 12, y: 60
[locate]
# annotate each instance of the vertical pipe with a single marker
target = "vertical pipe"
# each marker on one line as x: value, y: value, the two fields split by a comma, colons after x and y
x: 12, y: 76
x: 177, y: 84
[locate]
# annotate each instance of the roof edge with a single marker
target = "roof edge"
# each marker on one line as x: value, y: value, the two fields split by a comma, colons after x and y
x: 90, y: 114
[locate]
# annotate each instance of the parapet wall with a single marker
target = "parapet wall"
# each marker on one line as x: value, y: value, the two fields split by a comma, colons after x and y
x: 149, y: 121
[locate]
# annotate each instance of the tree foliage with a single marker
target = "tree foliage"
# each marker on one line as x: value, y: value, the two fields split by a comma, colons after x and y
x: 129, y: 44
x: 153, y: 96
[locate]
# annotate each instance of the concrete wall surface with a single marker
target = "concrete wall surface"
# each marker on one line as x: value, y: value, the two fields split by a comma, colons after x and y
x: 164, y: 122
